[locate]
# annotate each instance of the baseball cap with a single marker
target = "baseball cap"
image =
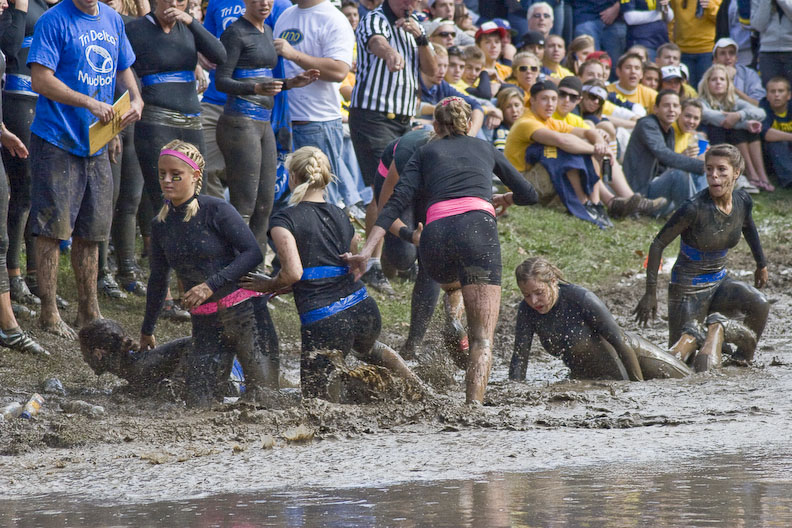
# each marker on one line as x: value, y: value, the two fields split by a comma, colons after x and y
x: 671, y: 72
x: 532, y: 38
x: 432, y: 25
x: 571, y: 82
x: 490, y: 27
x: 541, y: 86
x: 600, y: 56
x: 725, y: 43
x: 684, y: 69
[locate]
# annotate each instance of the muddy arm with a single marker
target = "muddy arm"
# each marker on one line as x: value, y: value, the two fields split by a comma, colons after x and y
x: 523, y: 336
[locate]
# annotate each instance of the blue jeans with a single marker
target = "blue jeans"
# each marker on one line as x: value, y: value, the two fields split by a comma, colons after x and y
x: 611, y: 39
x: 779, y: 157
x: 697, y: 63
x: 675, y: 185
x: 327, y: 136
x: 775, y: 64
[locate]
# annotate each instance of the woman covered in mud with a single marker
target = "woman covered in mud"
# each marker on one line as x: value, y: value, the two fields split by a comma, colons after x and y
x: 244, y: 132
x: 574, y: 324
x: 335, y: 310
x: 709, y: 224
x: 209, y: 245
x: 459, y: 244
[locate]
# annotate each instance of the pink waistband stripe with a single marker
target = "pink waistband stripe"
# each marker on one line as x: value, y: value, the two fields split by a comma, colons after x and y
x: 232, y: 299
x: 457, y: 206
x: 382, y: 170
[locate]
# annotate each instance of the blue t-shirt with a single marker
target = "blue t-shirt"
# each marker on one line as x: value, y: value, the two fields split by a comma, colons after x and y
x: 219, y: 15
x: 85, y: 52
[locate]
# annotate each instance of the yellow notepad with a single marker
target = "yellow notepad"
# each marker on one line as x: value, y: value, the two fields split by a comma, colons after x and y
x: 100, y: 134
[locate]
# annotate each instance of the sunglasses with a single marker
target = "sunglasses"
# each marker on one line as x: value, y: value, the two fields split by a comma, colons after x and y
x: 566, y: 95
x: 541, y: 15
x: 593, y: 97
x: 525, y: 68
x: 446, y: 34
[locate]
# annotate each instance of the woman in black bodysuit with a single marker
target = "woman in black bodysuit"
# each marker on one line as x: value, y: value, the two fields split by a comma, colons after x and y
x: 709, y: 224
x: 459, y: 244
x: 244, y: 132
x: 335, y: 310
x: 575, y: 325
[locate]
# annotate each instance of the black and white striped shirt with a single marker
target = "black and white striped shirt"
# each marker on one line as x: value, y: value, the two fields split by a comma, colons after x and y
x: 376, y: 87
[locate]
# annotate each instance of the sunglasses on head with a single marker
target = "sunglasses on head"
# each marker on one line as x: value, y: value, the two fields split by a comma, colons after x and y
x: 524, y: 68
x: 568, y: 95
x: 541, y: 15
x: 446, y: 34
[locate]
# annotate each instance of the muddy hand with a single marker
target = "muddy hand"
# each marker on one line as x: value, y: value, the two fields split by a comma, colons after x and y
x: 147, y: 342
x: 258, y: 282
x: 356, y: 263
x: 196, y: 296
x: 304, y: 79
x: 11, y: 142
x: 646, y: 309
x: 416, y: 237
x: 760, y: 277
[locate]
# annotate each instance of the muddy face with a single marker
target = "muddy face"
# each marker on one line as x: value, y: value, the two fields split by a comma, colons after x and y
x: 541, y: 296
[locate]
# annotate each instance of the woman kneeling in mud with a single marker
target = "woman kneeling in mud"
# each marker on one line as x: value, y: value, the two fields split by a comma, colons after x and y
x: 209, y: 245
x: 574, y: 324
x: 700, y: 291
x: 335, y: 310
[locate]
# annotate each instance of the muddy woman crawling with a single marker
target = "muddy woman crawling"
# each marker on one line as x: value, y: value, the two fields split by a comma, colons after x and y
x: 575, y: 325
x: 700, y: 292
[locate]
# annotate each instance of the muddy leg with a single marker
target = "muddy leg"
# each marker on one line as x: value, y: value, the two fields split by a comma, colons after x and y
x: 85, y: 262
x: 47, y: 255
x: 710, y: 354
x: 482, y: 304
x: 685, y: 347
x: 455, y: 338
x: 383, y: 355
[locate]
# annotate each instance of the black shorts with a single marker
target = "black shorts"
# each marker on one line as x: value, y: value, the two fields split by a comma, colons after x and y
x: 462, y: 248
x: 71, y: 195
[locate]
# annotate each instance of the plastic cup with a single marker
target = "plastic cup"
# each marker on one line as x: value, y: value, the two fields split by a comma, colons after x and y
x: 703, y: 146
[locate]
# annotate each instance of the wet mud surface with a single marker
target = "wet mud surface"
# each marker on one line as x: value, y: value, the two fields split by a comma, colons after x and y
x: 151, y: 449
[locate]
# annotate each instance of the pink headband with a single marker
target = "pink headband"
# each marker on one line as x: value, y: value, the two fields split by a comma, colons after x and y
x: 448, y: 100
x: 181, y: 156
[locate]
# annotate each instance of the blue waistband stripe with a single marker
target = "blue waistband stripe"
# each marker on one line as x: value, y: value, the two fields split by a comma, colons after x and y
x: 324, y: 272
x: 18, y: 83
x: 239, y: 106
x: 246, y: 73
x: 168, y: 77
x: 27, y: 41
x: 705, y: 278
x: 694, y: 254
x: 339, y: 306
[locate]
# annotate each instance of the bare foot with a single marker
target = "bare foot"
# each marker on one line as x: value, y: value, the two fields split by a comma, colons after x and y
x: 60, y: 329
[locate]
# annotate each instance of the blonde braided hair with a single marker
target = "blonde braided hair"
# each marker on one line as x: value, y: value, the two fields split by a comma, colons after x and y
x: 309, y: 168
x: 192, y: 152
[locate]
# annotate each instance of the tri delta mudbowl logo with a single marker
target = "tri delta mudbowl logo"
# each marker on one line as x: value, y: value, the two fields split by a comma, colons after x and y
x: 292, y: 36
x: 99, y: 59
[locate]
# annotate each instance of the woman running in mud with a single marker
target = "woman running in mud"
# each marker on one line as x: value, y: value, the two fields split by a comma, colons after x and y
x: 209, y: 245
x: 244, y: 132
x: 710, y: 224
x: 575, y: 325
x: 459, y: 244
x: 335, y: 310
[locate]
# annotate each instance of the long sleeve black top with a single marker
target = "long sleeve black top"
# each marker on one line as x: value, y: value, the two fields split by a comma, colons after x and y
x: 160, y: 52
x: 16, y: 26
x: 454, y: 167
x: 215, y: 247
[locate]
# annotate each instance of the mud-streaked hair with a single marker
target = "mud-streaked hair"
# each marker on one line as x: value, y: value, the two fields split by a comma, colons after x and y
x: 310, y: 169
x: 192, y: 152
x: 452, y: 116
x: 538, y: 269
x: 730, y: 152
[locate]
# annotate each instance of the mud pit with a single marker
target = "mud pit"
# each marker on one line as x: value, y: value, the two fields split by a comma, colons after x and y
x: 148, y: 449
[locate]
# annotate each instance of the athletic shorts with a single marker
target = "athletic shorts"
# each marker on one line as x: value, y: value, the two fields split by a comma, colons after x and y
x: 70, y: 195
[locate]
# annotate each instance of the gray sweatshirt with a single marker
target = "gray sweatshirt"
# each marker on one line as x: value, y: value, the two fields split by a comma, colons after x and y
x: 773, y: 20
x: 746, y: 110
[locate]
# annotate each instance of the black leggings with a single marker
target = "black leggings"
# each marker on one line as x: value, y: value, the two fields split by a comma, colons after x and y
x: 4, y: 284
x: 149, y: 140
x: 248, y: 147
x: 730, y: 298
x: 731, y: 136
x: 18, y: 113
x: 462, y: 248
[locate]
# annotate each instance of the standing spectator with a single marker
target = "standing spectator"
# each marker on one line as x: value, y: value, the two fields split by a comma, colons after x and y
x: 540, y: 18
x: 314, y: 35
x: 391, y: 49
x: 777, y: 129
x: 74, y: 71
x: 747, y: 84
x: 773, y: 21
x: 647, y: 25
x: 694, y: 33
x: 601, y: 20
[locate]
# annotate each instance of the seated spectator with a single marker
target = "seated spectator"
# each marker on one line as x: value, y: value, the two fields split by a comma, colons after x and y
x: 671, y: 79
x: 566, y: 153
x: 540, y: 18
x: 629, y: 70
x: 651, y: 76
x: 489, y: 40
x: 526, y: 70
x: 651, y: 164
x: 747, y: 84
x: 532, y: 42
x: 350, y: 10
x: 456, y: 65
x: 685, y: 135
x: 669, y: 54
x: 445, y: 10
x: 621, y: 113
x: 603, y: 59
x: 728, y: 119
x: 510, y: 103
x: 440, y: 32
x: 579, y: 50
x: 555, y: 51
x: 591, y: 106
x: 435, y: 89
x: 647, y: 26
x: 475, y: 80
x: 464, y: 20
x: 508, y: 50
x: 777, y: 129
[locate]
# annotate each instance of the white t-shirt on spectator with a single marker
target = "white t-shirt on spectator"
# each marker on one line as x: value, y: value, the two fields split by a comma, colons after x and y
x: 319, y: 31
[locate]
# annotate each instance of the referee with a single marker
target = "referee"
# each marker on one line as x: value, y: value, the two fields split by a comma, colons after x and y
x: 391, y: 46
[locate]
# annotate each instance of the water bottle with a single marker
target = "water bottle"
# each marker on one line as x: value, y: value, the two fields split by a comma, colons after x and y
x: 11, y: 410
x: 32, y: 406
x: 606, y: 170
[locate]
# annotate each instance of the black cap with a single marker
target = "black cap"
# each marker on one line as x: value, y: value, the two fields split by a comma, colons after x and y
x: 541, y: 86
x: 532, y: 38
x: 572, y: 83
